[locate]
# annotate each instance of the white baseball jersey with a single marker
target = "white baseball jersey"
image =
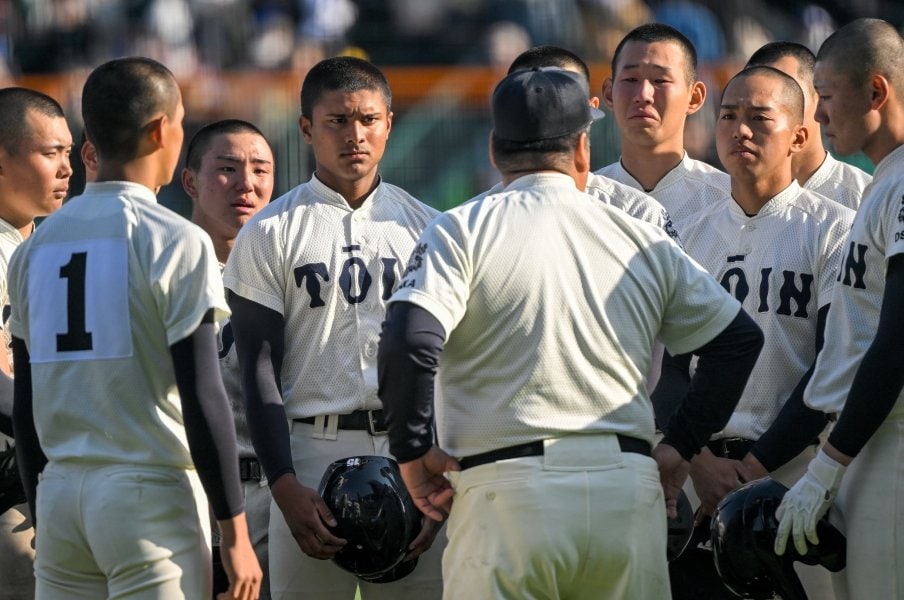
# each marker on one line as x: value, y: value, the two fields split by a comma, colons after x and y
x: 550, y: 301
x: 10, y: 238
x: 100, y: 292
x: 877, y: 234
x: 328, y: 270
x: 840, y: 181
x: 618, y: 195
x: 688, y: 188
x: 781, y: 265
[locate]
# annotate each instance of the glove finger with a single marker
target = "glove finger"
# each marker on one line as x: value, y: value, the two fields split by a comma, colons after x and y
x: 781, y: 538
x: 800, y: 540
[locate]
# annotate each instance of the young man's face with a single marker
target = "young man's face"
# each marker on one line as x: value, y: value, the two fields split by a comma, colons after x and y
x: 174, y: 134
x: 844, y: 109
x: 650, y: 94
x: 348, y: 133
x: 756, y: 134
x: 234, y: 182
x: 34, y: 180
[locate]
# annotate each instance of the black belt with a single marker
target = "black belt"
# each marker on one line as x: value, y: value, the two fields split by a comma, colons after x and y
x: 250, y: 469
x: 360, y: 420
x: 733, y: 448
x: 627, y: 444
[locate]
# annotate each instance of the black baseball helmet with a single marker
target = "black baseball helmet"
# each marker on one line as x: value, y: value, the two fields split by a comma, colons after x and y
x: 744, y: 528
x: 680, y: 528
x: 375, y: 515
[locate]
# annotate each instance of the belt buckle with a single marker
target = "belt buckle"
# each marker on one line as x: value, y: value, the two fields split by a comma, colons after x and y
x: 372, y: 425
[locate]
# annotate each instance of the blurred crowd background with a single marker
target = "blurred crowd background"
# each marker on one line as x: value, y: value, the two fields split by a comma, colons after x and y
x: 247, y: 58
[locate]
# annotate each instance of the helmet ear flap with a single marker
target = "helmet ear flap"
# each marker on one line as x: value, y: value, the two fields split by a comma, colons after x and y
x: 374, y: 513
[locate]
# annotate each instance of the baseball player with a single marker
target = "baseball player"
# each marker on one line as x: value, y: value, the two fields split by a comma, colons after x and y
x: 309, y: 277
x: 858, y: 374
x: 652, y: 91
x: 814, y: 168
x: 776, y: 247
x: 35, y: 143
x: 621, y: 196
x: 228, y: 175
x: 119, y: 405
x: 544, y: 304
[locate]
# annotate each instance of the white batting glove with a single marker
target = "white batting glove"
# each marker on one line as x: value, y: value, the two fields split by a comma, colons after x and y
x: 806, y: 503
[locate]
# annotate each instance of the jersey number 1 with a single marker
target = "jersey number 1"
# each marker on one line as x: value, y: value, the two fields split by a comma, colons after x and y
x: 76, y: 338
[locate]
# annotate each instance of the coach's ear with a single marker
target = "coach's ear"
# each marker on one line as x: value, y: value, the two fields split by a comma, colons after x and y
x: 304, y: 124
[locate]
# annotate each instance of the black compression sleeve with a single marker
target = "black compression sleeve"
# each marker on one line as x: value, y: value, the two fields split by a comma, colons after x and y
x: 671, y: 387
x: 259, y: 343
x: 410, y: 345
x: 797, y: 425
x: 209, y: 426
x: 721, y: 375
x: 879, y: 378
x: 30, y: 459
x: 6, y: 404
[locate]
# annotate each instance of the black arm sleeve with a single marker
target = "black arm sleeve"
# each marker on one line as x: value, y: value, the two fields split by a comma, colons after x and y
x: 410, y: 345
x: 671, y: 387
x: 6, y: 404
x: 259, y: 344
x: 880, y: 376
x: 721, y: 375
x: 797, y: 425
x: 209, y: 426
x: 30, y: 458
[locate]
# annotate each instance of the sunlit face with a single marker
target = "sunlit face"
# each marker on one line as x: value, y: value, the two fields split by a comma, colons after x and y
x: 35, y: 180
x: 791, y: 67
x: 234, y: 181
x: 650, y: 94
x: 844, y: 109
x: 348, y: 133
x: 756, y: 134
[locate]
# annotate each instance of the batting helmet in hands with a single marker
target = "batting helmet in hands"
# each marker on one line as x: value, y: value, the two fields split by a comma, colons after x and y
x: 375, y: 515
x: 744, y: 528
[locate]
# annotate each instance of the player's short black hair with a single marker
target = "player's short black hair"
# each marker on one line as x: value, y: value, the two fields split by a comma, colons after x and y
x: 769, y: 53
x: 549, y: 56
x: 119, y: 100
x: 863, y: 48
x: 792, y: 94
x: 537, y: 155
x: 15, y: 102
x: 345, y: 73
x: 660, y: 32
x: 200, y: 142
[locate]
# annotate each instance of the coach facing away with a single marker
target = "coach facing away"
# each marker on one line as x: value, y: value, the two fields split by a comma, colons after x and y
x: 545, y: 303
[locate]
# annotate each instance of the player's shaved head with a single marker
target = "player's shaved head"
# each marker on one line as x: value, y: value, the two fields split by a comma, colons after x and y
x: 550, y: 56
x: 792, y: 97
x: 771, y: 53
x: 120, y: 98
x: 341, y: 73
x: 15, y: 103
x: 864, y: 48
x: 201, y: 141
x: 659, y: 32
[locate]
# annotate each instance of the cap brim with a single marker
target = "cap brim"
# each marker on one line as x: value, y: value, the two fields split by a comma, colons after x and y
x: 596, y: 114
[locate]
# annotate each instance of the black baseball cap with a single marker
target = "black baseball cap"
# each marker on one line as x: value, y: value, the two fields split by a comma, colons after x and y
x: 540, y: 104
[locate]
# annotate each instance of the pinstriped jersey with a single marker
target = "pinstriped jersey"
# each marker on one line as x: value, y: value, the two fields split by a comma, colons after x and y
x: 876, y: 235
x: 551, y: 301
x: 328, y: 270
x: 688, y: 188
x: 781, y: 264
x: 839, y: 181
x: 99, y: 293
x: 618, y: 195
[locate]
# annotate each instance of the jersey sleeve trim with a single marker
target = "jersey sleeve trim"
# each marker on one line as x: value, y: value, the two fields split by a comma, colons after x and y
x: 722, y: 319
x: 250, y: 293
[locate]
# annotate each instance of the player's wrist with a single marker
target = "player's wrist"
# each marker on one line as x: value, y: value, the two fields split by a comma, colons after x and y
x: 827, y: 471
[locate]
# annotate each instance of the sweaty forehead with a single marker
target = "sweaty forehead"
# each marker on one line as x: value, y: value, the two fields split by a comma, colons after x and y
x: 365, y: 101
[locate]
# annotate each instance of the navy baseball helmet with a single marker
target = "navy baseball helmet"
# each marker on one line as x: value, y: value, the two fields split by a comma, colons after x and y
x: 680, y: 528
x: 744, y: 528
x: 374, y: 513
